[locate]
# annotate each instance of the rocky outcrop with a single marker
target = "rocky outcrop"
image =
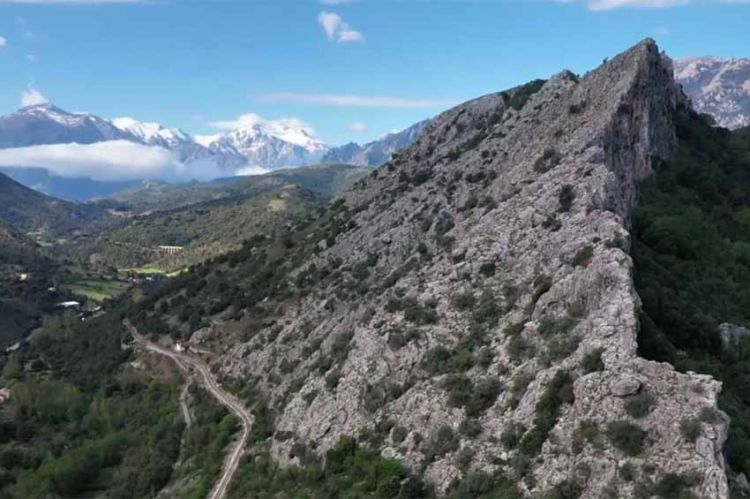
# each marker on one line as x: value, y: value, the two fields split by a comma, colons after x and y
x: 484, y: 285
x: 719, y: 87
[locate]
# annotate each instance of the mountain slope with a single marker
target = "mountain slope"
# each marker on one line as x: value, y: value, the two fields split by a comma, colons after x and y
x: 377, y: 152
x: 470, y: 308
x: 25, y: 276
x: 47, y: 124
x: 326, y: 180
x: 30, y: 210
x: 719, y: 87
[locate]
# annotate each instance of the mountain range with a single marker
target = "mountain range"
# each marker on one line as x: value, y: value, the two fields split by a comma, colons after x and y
x: 719, y: 87
x: 377, y: 152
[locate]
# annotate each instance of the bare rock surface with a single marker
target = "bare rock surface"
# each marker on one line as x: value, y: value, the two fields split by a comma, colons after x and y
x: 502, y: 231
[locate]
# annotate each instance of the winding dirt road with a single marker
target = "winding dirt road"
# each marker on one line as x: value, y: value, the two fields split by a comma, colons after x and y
x: 189, y: 363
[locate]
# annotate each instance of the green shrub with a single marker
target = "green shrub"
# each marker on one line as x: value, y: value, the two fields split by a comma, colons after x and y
x: 566, y: 197
x: 475, y: 398
x: 627, y: 472
x: 482, y: 485
x: 583, y: 256
x: 398, y: 434
x: 673, y: 486
x: 471, y: 427
x: 639, y: 405
x: 567, y: 489
x: 558, y: 392
x: 464, y: 301
x: 555, y: 326
x: 487, y: 269
x: 518, y: 348
x: 627, y: 437
x: 592, y: 361
x: 443, y: 441
x: 522, y: 94
x: 512, y: 435
x: 518, y: 387
x: 690, y: 428
x: 562, y: 347
x: 549, y: 159
x: 487, y: 311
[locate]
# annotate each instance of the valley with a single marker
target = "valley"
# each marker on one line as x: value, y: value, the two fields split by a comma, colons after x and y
x: 540, y: 292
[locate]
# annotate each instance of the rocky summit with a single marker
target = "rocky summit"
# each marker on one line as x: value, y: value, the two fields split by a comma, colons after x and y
x: 477, y: 309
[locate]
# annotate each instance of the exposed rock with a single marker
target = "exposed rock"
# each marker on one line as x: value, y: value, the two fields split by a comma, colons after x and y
x: 624, y: 387
x: 537, y: 194
x: 719, y: 87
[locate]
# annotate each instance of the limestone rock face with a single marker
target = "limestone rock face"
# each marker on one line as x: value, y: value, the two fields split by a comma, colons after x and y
x: 508, y: 216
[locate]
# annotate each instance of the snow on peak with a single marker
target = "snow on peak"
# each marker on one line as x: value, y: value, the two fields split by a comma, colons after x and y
x: 150, y: 132
x: 251, y: 126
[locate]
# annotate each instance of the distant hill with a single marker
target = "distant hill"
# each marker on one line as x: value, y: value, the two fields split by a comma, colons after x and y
x: 29, y: 210
x: 76, y: 189
x: 326, y: 180
x: 719, y: 87
x: 377, y: 152
x: 212, y: 218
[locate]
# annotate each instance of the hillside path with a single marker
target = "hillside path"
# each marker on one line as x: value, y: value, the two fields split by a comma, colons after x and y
x: 190, y: 363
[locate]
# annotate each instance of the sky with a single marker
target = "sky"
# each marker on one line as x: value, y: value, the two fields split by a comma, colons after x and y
x: 352, y: 70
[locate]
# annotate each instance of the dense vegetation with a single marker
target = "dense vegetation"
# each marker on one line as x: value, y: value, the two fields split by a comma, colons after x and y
x: 353, y: 470
x: 691, y: 247
x: 22, y: 299
x: 79, y: 422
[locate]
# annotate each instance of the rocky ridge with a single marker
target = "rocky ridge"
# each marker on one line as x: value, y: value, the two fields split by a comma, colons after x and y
x: 719, y: 87
x: 491, y: 310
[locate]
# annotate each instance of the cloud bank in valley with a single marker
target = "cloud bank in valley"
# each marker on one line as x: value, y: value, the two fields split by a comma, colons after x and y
x: 111, y: 160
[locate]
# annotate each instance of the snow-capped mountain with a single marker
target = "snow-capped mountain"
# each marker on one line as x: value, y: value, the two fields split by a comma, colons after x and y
x: 377, y: 152
x: 267, y: 144
x: 719, y: 87
x: 46, y: 124
x: 261, y: 148
x: 152, y: 133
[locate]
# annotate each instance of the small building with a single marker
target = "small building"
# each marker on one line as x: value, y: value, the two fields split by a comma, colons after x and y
x: 69, y: 304
x: 4, y: 395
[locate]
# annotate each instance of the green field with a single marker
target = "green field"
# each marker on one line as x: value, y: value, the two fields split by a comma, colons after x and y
x: 98, y: 290
x: 146, y: 269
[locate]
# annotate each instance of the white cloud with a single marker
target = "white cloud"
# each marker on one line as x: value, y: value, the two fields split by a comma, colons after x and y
x: 357, y: 100
x: 32, y: 97
x: 330, y: 23
x: 111, y: 160
x: 616, y: 4
x: 350, y: 35
x: 250, y: 120
x: 336, y: 29
x: 3, y: 42
x: 356, y: 127
x: 251, y: 170
x: 602, y: 5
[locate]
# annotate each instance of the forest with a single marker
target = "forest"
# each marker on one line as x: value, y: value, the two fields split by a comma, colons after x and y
x: 691, y: 249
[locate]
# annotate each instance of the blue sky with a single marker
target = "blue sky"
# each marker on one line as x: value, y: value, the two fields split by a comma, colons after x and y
x: 189, y: 63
